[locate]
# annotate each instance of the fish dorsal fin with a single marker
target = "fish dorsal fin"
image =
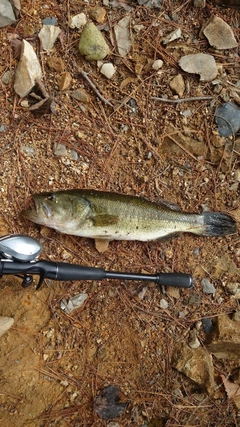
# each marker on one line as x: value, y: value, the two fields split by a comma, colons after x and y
x: 170, y: 205
x: 104, y: 220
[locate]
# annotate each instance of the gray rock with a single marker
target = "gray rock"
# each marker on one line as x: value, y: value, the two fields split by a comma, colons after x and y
x: 200, y: 63
x: 219, y: 34
x: 7, y: 16
x: 227, y: 117
x: 5, y: 324
x: 208, y: 287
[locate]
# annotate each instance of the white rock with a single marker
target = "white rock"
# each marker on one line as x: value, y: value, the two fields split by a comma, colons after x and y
x: 157, y: 64
x: 27, y: 71
x: 48, y: 35
x: 5, y: 324
x: 108, y: 70
x: 78, y: 21
x: 163, y: 303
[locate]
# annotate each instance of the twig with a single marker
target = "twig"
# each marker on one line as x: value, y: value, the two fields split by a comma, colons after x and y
x: 179, y: 101
x: 94, y: 87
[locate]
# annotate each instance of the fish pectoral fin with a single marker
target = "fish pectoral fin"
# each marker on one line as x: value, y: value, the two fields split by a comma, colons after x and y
x: 104, y: 220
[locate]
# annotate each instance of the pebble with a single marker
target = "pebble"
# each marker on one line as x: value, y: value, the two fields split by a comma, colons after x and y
x: 98, y: 13
x: 60, y: 150
x: 208, y: 287
x: 163, y: 304
x: 193, y: 341
x: 80, y: 95
x: 108, y: 70
x: 157, y: 64
x: 64, y: 81
x: 78, y: 21
x: 177, y: 85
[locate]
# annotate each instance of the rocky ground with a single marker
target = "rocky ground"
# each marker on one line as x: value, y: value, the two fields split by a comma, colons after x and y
x: 148, y: 128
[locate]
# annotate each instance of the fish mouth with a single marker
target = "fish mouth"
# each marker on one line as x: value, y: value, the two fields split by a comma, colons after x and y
x: 37, y: 210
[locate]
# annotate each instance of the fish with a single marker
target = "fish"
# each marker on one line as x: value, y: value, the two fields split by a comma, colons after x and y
x: 112, y: 216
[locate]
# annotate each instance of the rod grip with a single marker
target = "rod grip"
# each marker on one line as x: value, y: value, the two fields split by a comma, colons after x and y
x: 178, y: 280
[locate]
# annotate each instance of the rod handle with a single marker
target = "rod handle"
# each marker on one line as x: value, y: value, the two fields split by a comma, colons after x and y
x: 179, y: 280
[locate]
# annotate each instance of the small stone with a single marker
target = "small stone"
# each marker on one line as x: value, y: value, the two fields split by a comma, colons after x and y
x: 80, y: 95
x: 219, y: 34
x: 200, y: 63
x: 98, y: 13
x: 60, y: 150
x: 78, y: 21
x: 92, y: 44
x: 108, y: 70
x: 157, y: 64
x: 208, y: 287
x: 177, y: 85
x: 174, y: 35
x: 193, y: 341
x: 7, y: 77
x: 163, y: 304
x: 49, y: 21
x: 5, y: 324
x: 56, y: 63
x: 65, y: 81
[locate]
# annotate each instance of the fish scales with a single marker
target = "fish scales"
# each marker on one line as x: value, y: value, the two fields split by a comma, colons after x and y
x: 113, y: 216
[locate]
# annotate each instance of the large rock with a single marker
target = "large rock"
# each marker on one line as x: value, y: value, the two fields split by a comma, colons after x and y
x: 28, y: 70
x: 200, y: 63
x: 219, y: 34
x: 92, y: 44
x: 224, y: 341
x: 196, y: 364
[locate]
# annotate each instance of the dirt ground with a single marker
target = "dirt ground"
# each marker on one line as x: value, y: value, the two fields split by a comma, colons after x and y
x: 52, y: 365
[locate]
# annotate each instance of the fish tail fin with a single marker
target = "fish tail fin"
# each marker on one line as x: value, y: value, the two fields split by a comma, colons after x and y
x: 218, y: 224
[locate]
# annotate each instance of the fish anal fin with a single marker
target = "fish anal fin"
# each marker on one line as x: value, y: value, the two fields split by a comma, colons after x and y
x: 104, y: 220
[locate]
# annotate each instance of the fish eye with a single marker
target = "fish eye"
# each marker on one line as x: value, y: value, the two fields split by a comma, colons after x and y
x: 50, y: 197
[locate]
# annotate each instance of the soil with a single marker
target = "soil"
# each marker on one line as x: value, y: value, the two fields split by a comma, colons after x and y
x: 52, y: 364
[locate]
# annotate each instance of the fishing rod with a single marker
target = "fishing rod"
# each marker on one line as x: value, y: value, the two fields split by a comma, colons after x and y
x: 18, y: 256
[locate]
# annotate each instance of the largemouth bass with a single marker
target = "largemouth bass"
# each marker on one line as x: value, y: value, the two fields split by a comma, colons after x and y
x: 112, y: 216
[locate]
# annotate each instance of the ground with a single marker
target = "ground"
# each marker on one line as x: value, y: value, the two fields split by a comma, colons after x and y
x: 52, y: 364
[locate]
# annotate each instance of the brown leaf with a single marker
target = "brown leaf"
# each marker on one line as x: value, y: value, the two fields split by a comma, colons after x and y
x: 232, y: 389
